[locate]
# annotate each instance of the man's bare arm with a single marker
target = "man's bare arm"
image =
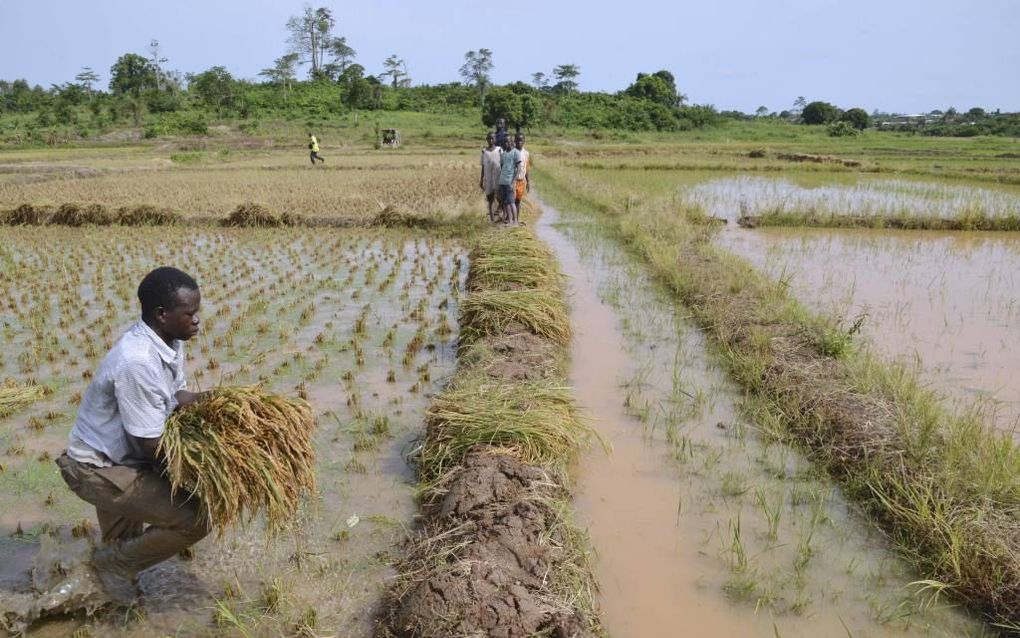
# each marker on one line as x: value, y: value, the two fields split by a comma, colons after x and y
x: 146, y: 447
x: 185, y: 398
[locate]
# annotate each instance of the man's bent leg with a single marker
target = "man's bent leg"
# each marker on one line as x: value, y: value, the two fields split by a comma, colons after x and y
x: 137, y: 496
x: 175, y: 523
x: 115, y: 527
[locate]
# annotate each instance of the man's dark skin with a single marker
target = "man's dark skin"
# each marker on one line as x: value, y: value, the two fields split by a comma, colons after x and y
x: 180, y: 321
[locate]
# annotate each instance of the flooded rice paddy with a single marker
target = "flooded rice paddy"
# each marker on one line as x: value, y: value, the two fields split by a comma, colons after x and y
x: 945, y: 303
x: 702, y: 523
x: 730, y: 197
x: 361, y: 323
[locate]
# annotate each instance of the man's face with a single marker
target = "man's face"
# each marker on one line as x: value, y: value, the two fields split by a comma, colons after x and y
x: 181, y: 320
x: 501, y: 123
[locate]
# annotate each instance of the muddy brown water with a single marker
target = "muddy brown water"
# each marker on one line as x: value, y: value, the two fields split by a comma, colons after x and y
x: 700, y: 525
x: 945, y: 303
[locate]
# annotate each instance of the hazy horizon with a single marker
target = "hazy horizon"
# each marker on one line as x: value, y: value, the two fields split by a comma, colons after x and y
x: 905, y: 57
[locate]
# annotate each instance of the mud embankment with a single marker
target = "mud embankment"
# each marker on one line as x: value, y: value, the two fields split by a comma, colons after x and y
x: 496, y: 554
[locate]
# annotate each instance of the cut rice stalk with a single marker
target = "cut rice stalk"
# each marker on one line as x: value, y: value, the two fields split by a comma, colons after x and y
x: 14, y: 396
x: 242, y: 451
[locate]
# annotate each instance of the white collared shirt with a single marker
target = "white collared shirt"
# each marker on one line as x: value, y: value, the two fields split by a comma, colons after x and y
x: 132, y: 392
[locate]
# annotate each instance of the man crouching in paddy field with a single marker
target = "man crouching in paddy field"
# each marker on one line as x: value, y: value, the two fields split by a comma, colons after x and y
x: 111, y: 461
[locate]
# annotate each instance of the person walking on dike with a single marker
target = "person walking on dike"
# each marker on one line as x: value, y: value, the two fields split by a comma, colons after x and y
x: 313, y: 146
x: 508, y: 162
x: 489, y: 180
x: 111, y: 459
x: 523, y: 177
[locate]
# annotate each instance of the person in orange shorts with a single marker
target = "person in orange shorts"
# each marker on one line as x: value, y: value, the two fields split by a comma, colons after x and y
x: 523, y: 183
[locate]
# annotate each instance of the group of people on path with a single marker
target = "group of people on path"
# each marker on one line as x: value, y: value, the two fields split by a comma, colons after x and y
x: 505, y: 177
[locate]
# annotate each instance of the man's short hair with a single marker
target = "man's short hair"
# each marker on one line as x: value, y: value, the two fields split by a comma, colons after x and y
x: 159, y: 288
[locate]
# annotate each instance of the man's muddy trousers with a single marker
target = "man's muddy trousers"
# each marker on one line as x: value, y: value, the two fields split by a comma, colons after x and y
x: 141, y: 521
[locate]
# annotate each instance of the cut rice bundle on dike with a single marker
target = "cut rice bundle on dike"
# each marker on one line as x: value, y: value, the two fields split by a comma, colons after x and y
x: 242, y: 451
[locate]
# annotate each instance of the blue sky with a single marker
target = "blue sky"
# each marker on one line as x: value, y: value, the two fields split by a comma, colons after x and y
x: 894, y: 55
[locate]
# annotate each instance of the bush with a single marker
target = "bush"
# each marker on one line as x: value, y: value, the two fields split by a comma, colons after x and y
x: 858, y: 117
x: 842, y: 128
x: 819, y: 113
x: 179, y: 123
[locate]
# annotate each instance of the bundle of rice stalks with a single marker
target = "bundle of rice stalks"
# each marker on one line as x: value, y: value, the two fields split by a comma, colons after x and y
x: 513, y: 258
x: 536, y: 421
x: 258, y: 216
x: 26, y: 214
x: 390, y: 217
x: 14, y: 396
x: 241, y: 451
x: 74, y: 215
x: 491, y: 312
x: 147, y: 215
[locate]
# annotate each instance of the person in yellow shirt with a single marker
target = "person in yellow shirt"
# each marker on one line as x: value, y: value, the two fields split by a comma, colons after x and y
x: 313, y: 146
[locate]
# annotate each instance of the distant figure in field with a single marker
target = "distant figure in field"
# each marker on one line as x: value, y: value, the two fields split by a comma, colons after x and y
x: 501, y: 133
x: 489, y: 181
x: 523, y: 183
x: 508, y: 165
x: 313, y: 146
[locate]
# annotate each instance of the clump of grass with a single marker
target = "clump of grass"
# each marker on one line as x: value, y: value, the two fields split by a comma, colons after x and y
x: 242, y: 451
x: 15, y: 396
x: 491, y: 312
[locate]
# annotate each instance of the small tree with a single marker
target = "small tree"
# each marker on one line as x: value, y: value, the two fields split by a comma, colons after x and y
x: 131, y: 73
x: 311, y: 35
x: 761, y: 111
x: 540, y: 80
x: 156, y: 59
x: 396, y: 69
x: 475, y: 70
x: 86, y: 78
x: 566, y: 78
x: 283, y: 72
x: 214, y: 87
x: 655, y: 88
x: 819, y: 113
x: 502, y: 102
x: 857, y: 117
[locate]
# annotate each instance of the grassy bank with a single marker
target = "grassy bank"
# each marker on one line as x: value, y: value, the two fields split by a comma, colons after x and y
x: 812, y: 219
x: 944, y: 487
x: 497, y: 553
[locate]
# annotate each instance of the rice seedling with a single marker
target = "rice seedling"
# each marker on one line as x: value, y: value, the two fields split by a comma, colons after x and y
x: 242, y: 451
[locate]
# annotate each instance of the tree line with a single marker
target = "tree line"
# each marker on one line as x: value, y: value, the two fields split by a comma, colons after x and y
x: 143, y: 89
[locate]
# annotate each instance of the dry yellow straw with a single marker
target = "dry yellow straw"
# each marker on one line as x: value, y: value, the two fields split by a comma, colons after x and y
x: 13, y: 396
x: 242, y: 451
